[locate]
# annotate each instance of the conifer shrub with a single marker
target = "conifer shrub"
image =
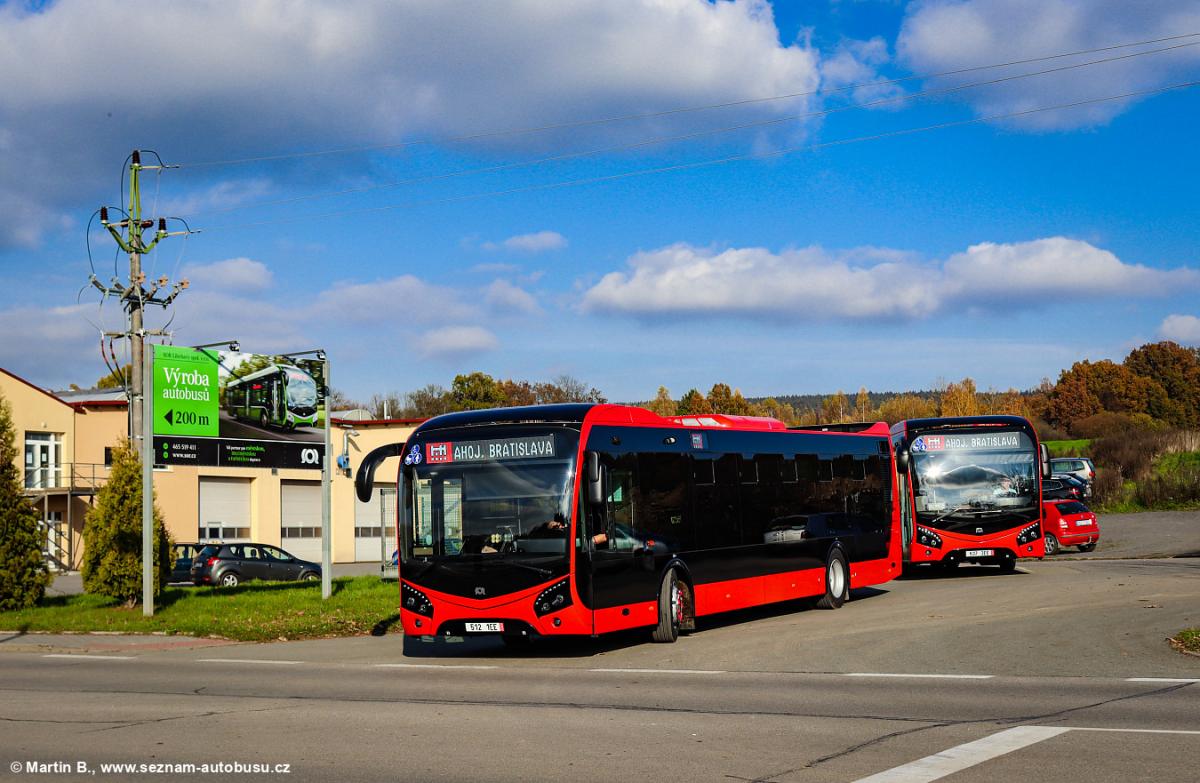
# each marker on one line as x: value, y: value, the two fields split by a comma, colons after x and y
x: 23, y: 574
x: 112, y: 535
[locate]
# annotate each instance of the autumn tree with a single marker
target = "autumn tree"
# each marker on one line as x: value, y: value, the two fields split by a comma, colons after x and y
x: 777, y: 410
x: 518, y: 392
x: 476, y: 391
x: 722, y: 399
x: 115, y: 379
x: 428, y: 401
x: 959, y: 399
x: 1177, y: 370
x: 835, y: 409
x: 862, y: 405
x: 662, y: 404
x: 692, y: 403
x: 907, y: 406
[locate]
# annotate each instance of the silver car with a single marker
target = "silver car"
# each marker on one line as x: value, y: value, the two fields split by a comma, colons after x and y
x: 1079, y: 467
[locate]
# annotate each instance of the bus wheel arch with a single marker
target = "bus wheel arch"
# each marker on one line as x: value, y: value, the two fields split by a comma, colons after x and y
x: 837, y: 579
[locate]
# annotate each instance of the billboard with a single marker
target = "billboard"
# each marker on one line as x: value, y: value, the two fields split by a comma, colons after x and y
x: 232, y: 409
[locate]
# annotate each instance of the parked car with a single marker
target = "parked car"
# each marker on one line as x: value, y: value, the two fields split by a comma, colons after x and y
x: 1063, y: 487
x: 1079, y: 467
x: 182, y: 555
x: 228, y: 565
x: 1068, y: 523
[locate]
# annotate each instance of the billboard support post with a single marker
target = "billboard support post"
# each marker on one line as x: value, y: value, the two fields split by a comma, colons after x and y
x: 147, y: 448
x: 326, y: 493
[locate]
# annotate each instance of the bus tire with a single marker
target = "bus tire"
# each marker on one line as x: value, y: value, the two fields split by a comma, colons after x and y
x: 262, y: 419
x: 670, y: 609
x: 1051, y: 544
x: 837, y: 581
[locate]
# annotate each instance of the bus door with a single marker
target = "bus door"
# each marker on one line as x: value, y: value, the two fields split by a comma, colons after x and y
x: 614, y: 565
x: 906, y: 516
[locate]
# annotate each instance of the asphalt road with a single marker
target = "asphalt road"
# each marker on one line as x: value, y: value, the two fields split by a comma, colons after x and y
x: 236, y: 428
x: 1057, y: 672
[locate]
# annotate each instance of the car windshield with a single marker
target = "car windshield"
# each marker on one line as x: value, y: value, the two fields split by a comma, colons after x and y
x: 489, y: 499
x: 973, y: 474
x: 301, y: 389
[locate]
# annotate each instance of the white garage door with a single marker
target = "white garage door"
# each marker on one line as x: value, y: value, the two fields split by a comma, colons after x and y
x: 300, y: 511
x: 374, y: 520
x: 224, y: 509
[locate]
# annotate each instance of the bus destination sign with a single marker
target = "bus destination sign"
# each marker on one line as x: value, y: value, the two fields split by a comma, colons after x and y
x: 487, y: 450
x: 996, y: 440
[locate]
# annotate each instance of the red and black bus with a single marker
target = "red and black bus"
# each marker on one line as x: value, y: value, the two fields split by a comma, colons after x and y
x: 970, y: 490
x: 589, y: 518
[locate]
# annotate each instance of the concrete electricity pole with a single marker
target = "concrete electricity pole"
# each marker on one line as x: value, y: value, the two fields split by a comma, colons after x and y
x: 130, y: 234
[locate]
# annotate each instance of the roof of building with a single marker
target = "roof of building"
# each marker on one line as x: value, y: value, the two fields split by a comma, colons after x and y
x: 93, y: 397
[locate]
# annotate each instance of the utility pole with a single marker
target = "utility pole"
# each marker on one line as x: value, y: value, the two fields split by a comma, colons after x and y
x: 130, y: 235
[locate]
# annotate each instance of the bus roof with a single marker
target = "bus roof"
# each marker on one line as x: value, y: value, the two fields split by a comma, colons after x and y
x: 269, y: 370
x: 951, y: 422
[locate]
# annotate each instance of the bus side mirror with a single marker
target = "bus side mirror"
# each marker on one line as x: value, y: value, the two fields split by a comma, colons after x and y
x: 593, y: 477
x: 1045, y: 460
x: 364, y: 480
x: 902, y: 460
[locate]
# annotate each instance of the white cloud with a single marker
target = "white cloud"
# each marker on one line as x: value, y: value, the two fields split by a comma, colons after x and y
x: 57, y: 345
x: 232, y: 274
x: 537, y: 242
x: 858, y: 62
x: 421, y: 302
x: 506, y: 298
x: 940, y: 35
x: 1184, y: 329
x: 219, y: 196
x: 813, y: 284
x: 342, y: 74
x: 456, y: 342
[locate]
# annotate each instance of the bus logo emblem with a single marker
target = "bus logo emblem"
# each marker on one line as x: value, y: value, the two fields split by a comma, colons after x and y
x: 480, y: 591
x: 438, y: 453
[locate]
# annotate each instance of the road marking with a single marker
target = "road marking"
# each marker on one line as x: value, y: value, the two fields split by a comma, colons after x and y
x: 661, y: 671
x: 965, y: 756
x: 247, y: 660
x: 91, y: 657
x: 431, y: 666
x: 924, y: 676
x: 1139, y: 731
x: 1161, y: 679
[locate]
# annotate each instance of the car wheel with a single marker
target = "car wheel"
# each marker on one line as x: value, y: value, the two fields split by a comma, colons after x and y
x: 1086, y: 547
x: 1051, y: 545
x: 837, y: 581
x: 670, y: 609
x: 309, y: 576
x: 229, y: 579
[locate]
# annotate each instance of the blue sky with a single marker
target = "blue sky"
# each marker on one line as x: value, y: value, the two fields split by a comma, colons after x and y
x: 1004, y: 249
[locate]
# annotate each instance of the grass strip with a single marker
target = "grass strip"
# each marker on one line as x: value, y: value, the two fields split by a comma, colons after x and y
x: 253, y: 611
x: 1187, y: 640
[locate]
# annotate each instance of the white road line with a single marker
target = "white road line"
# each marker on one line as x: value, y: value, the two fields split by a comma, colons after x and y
x: 961, y: 757
x: 86, y: 656
x: 1139, y: 731
x: 430, y: 666
x: 924, y: 676
x: 661, y: 671
x: 1162, y: 679
x: 247, y: 660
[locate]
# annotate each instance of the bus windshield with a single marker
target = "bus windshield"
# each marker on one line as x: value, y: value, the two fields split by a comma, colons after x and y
x: 501, y: 499
x: 972, y: 476
x: 301, y: 389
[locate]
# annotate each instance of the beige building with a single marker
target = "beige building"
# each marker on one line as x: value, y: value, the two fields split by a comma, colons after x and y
x: 65, y: 441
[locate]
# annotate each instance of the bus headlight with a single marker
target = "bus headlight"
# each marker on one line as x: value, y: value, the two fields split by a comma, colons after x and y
x: 1030, y: 533
x: 555, y: 597
x: 926, y: 537
x: 414, y: 600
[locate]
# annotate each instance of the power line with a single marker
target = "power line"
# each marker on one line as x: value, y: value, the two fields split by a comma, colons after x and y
x: 669, y: 112
x: 692, y: 135
x: 714, y: 162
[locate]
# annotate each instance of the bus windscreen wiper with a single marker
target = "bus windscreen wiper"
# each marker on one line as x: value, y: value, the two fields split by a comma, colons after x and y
x: 526, y: 566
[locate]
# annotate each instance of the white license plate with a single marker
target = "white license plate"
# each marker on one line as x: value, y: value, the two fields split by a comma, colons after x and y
x: 485, y: 627
x: 980, y: 552
x: 1083, y: 522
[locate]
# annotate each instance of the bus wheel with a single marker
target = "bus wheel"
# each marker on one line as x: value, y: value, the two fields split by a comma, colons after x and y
x: 1051, y: 545
x: 262, y: 419
x: 837, y: 581
x: 670, y: 609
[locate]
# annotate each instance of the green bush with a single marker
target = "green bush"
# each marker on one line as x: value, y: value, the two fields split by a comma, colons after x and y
x: 23, y: 574
x: 112, y: 535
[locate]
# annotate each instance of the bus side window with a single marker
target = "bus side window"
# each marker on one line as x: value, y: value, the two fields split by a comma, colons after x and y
x: 718, y: 507
x: 621, y: 502
x: 665, y: 514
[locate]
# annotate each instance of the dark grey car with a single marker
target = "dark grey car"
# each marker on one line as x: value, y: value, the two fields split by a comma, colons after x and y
x: 230, y: 564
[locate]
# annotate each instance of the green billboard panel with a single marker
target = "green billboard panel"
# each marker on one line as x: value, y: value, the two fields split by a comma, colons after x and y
x: 185, y: 396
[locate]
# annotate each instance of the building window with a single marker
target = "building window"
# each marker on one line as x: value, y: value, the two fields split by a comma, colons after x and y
x: 43, y: 460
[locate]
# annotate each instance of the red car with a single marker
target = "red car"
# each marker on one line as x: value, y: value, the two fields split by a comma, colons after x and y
x: 1069, y: 523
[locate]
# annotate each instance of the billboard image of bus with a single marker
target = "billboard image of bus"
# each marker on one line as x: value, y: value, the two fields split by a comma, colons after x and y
x: 279, y: 395
x: 594, y: 518
x: 970, y: 490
